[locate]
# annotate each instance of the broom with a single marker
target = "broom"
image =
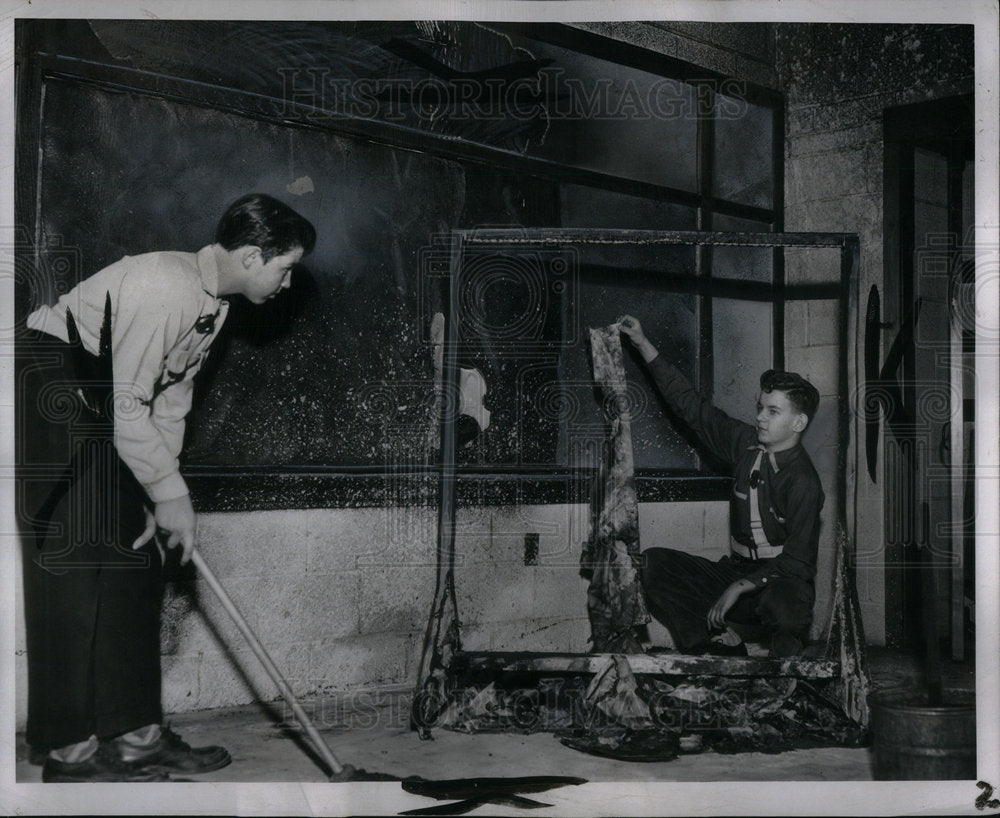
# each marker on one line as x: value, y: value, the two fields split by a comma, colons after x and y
x: 339, y: 772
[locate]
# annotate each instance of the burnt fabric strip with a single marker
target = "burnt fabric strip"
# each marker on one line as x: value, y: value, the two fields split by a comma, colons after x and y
x: 615, y: 601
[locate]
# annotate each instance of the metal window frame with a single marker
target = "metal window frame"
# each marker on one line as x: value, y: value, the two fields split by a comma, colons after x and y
x: 228, y: 488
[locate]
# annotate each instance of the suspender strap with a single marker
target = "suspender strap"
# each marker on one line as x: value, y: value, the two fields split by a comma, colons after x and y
x: 761, y: 552
x: 756, y: 526
x: 761, y: 549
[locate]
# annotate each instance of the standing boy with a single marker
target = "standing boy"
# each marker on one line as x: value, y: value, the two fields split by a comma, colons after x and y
x: 769, y: 577
x: 104, y: 383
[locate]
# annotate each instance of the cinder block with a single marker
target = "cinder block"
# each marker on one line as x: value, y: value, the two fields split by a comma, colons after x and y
x: 557, y: 591
x: 180, y: 687
x: 717, y: 533
x: 754, y: 71
x: 707, y: 56
x: 824, y: 329
x: 475, y: 552
x: 541, y: 635
x: 238, y: 675
x: 851, y: 136
x: 562, y: 531
x: 564, y: 546
x: 398, y: 536
x: 252, y: 594
x: 353, y: 538
x: 315, y: 539
x: 821, y: 435
x: 796, y: 324
x: 817, y: 364
x: 674, y: 525
x: 475, y: 637
x: 310, y: 606
x: 223, y: 681
x: 395, y: 598
x: 195, y: 621
x: 510, y: 523
x: 373, y: 659
x: 251, y: 542
x: 811, y: 265
x: 825, y: 460
x: 200, y: 681
x: 194, y: 629
x: 497, y: 594
x: 820, y: 178
x: 846, y: 214
x: 499, y: 538
x: 179, y: 603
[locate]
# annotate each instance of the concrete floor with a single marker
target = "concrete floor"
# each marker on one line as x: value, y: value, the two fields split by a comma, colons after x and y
x: 372, y: 733
x: 274, y: 772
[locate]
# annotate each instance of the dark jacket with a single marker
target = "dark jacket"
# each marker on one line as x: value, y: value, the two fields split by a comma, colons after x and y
x: 789, y: 492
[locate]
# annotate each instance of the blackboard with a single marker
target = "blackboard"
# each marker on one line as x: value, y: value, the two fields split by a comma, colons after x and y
x: 339, y: 372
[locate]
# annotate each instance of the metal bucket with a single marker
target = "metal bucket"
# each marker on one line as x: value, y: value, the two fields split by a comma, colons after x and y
x: 915, y: 742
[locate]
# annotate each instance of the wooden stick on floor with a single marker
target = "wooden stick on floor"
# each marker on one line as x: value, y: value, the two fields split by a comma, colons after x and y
x: 321, y: 746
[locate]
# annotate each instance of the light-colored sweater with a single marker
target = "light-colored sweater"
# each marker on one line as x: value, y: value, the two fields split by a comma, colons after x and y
x: 165, y: 313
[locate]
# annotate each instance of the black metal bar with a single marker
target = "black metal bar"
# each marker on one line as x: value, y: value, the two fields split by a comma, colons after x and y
x: 668, y: 664
x: 908, y: 237
x: 777, y: 226
x: 850, y: 261
x: 719, y: 287
x: 449, y: 411
x: 906, y: 436
x: 644, y: 59
x: 956, y: 584
x: 582, y: 235
x: 298, y: 115
x: 703, y: 254
x: 442, y: 625
x: 229, y: 491
x: 892, y: 245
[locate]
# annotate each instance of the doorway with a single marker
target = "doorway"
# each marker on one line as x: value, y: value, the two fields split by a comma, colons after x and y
x: 927, y: 337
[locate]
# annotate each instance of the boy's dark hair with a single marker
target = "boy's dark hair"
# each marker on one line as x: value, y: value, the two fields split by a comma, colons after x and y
x: 262, y: 221
x: 801, y: 394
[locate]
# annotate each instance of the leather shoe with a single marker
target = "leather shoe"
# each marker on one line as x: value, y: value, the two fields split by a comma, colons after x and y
x: 103, y: 766
x: 171, y: 754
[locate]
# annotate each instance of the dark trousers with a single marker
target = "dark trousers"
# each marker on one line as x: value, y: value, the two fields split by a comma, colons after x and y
x: 92, y: 605
x: 681, y: 589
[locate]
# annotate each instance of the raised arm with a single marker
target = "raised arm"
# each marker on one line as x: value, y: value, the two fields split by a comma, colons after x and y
x: 724, y: 437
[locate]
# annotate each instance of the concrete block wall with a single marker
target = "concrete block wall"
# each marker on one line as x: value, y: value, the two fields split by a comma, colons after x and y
x: 837, y: 81
x: 504, y: 604
x: 337, y: 602
x: 340, y: 597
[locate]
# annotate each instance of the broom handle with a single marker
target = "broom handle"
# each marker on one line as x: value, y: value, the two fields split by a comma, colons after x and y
x: 321, y: 746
